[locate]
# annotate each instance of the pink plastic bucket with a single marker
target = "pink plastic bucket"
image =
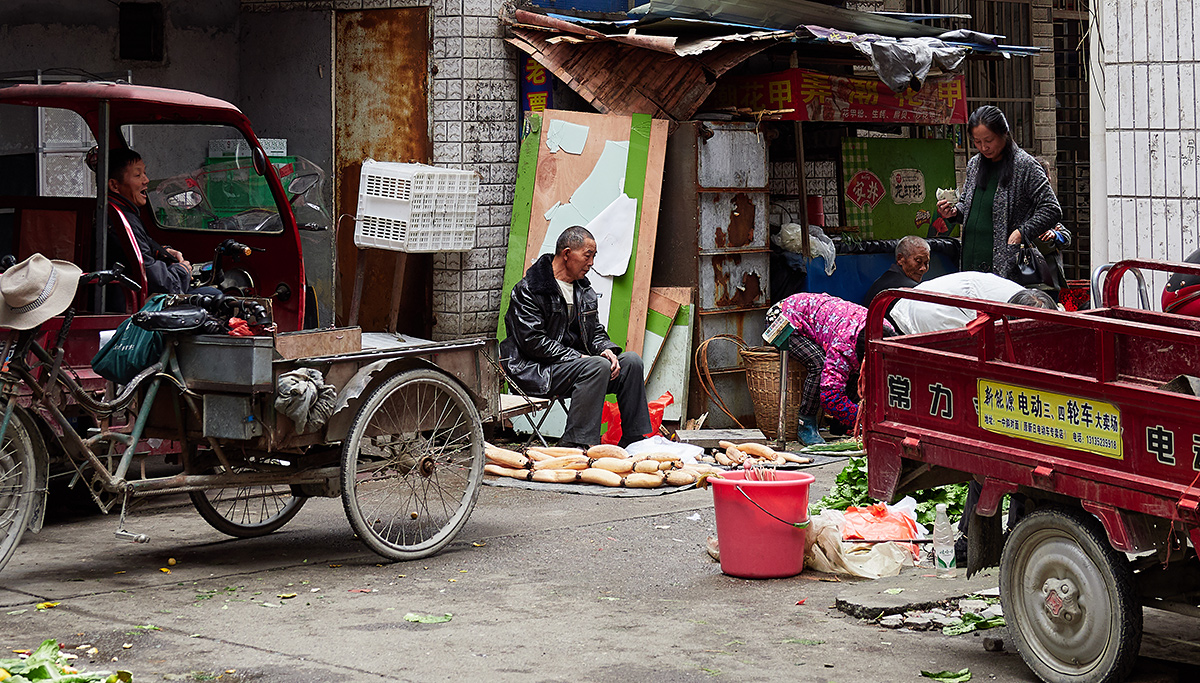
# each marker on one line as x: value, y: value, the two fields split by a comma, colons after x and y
x: 754, y: 523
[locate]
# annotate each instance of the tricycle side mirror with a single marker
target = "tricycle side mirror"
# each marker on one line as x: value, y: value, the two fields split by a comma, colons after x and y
x: 260, y: 160
x: 188, y: 199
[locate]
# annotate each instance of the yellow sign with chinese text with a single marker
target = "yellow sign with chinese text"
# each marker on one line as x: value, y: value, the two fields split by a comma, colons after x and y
x: 1050, y: 418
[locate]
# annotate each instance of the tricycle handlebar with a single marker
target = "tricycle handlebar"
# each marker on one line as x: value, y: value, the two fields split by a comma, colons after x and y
x: 115, y: 275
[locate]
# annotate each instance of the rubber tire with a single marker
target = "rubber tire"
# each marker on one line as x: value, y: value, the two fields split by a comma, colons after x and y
x: 17, y: 468
x: 238, y: 524
x: 1070, y: 543
x: 393, y: 518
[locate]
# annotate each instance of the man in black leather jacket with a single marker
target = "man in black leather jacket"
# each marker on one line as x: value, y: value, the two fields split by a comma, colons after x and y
x: 557, y: 346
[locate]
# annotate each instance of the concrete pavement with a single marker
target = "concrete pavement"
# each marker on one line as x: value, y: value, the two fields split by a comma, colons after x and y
x: 541, y: 586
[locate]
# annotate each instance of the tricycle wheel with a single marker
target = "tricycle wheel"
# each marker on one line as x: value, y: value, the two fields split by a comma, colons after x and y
x: 1068, y: 599
x: 247, y: 511
x: 16, y: 486
x: 412, y: 465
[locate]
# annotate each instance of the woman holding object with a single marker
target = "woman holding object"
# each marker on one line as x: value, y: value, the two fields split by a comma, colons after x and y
x: 1005, y: 199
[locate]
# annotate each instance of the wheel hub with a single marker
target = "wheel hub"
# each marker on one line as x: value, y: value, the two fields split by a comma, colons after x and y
x: 1060, y: 600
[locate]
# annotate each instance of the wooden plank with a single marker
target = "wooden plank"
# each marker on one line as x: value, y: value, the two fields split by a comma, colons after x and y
x: 660, y: 317
x: 314, y: 343
x: 397, y: 290
x: 681, y: 295
x: 559, y: 174
x: 628, y: 319
x: 709, y: 438
x: 673, y: 367
x: 647, y: 233
x: 514, y: 263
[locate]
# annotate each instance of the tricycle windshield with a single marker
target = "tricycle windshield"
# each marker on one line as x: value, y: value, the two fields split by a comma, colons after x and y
x: 226, y: 193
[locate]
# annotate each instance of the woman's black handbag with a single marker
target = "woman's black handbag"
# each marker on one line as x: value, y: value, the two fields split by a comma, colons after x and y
x: 1030, y: 268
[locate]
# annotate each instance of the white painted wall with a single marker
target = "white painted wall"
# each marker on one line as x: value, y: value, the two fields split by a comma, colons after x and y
x: 1144, y: 123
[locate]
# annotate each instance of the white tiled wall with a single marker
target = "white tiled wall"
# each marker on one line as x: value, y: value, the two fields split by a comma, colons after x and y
x: 1144, y: 132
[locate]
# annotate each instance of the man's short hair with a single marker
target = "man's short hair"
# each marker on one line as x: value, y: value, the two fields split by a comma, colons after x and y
x: 1033, y: 297
x: 572, y: 238
x: 910, y: 245
x: 119, y: 159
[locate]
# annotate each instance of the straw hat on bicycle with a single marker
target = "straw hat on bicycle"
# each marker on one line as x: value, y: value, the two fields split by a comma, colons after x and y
x: 35, y: 290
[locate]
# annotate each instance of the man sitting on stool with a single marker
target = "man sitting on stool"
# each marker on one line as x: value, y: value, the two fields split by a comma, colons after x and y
x: 556, y: 345
x: 912, y: 262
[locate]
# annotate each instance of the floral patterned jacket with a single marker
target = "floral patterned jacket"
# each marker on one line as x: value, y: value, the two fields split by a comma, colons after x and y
x: 834, y: 324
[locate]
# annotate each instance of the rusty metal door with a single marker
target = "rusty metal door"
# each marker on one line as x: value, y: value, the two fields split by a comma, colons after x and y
x: 381, y: 111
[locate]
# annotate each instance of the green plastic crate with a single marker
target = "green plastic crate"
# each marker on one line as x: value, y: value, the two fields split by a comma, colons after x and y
x: 231, y: 185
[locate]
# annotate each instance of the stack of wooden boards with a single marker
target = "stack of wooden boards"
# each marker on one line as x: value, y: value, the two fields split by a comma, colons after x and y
x: 604, y: 465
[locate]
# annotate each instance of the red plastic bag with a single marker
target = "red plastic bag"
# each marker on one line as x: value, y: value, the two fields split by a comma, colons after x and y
x: 612, y: 418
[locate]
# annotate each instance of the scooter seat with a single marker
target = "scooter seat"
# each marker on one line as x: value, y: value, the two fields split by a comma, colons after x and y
x: 182, y: 319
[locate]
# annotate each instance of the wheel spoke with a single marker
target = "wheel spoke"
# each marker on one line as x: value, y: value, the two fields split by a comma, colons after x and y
x: 417, y: 444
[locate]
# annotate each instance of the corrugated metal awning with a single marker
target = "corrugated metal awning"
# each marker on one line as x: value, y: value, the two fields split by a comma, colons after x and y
x: 666, y: 65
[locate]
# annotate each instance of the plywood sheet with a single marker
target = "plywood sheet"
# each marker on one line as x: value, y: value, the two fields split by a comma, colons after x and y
x: 558, y: 175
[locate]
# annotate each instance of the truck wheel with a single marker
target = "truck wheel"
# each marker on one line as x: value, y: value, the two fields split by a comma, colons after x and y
x: 1068, y: 599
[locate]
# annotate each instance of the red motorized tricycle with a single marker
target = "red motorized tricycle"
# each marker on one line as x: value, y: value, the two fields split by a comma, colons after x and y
x: 1093, y: 417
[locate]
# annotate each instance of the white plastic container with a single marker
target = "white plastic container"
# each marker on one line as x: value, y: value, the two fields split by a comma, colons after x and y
x: 415, y: 207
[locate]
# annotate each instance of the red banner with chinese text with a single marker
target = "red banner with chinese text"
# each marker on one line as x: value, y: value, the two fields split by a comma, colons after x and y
x: 814, y: 96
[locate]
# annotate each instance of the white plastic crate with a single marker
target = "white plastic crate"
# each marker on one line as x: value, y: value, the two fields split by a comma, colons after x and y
x: 415, y: 208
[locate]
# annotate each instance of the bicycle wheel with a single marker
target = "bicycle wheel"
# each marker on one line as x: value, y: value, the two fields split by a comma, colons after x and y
x: 16, y: 486
x: 412, y: 465
x: 247, y: 511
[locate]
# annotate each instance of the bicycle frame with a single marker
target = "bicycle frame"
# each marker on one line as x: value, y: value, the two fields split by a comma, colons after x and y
x: 17, y: 370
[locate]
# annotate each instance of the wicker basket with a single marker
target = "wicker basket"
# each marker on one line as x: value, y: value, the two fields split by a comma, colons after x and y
x: 762, y: 377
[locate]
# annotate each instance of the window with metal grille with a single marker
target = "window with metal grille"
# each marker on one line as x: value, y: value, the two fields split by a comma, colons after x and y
x: 1006, y: 83
x: 1071, y: 114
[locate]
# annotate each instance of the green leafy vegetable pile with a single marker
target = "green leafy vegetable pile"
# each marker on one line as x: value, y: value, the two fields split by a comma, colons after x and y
x: 47, y: 663
x: 850, y: 489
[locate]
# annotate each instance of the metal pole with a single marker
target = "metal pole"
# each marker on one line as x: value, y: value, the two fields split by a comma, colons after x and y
x: 100, y: 242
x: 781, y: 435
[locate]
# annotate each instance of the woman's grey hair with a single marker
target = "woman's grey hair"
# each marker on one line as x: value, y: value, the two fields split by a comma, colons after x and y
x: 573, y: 238
x: 1033, y: 297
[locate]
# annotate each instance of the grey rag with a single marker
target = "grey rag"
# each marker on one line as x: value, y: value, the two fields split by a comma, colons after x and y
x: 303, y: 396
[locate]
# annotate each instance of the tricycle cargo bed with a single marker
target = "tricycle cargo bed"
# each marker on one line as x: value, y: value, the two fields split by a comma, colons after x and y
x: 1074, y: 405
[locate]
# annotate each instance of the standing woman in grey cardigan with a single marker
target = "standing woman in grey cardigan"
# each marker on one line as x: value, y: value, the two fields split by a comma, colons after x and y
x: 1006, y: 195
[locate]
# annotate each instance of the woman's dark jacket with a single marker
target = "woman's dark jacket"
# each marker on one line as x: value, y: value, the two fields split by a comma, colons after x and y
x: 1027, y: 204
x: 539, y: 332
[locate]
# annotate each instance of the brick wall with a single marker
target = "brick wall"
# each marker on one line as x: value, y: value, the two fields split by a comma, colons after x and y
x: 473, y: 125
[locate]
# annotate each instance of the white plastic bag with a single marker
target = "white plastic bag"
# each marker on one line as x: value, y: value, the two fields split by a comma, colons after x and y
x: 660, y: 444
x: 791, y: 238
x: 824, y: 550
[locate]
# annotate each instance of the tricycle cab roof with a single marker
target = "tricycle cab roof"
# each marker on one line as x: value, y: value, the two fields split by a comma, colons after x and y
x: 147, y: 105
x: 127, y: 103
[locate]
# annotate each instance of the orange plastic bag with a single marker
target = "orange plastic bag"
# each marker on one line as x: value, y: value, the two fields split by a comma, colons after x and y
x: 612, y: 418
x: 878, y: 523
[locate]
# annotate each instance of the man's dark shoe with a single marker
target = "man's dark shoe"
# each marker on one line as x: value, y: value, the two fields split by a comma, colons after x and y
x: 960, y: 551
x: 572, y: 444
